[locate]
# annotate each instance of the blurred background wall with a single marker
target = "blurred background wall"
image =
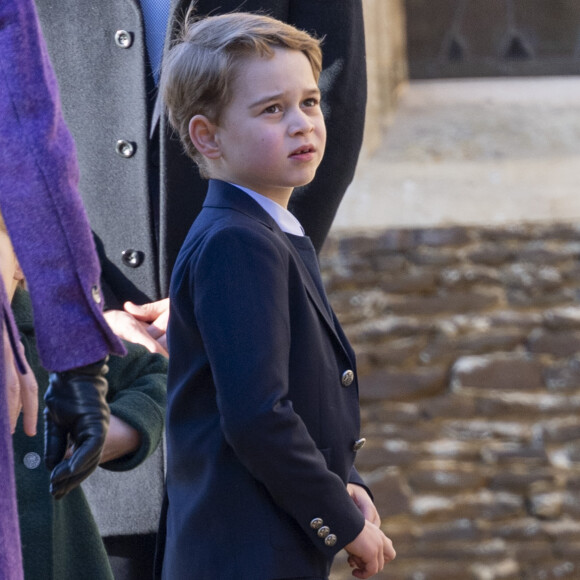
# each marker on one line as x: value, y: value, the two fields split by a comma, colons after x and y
x: 454, y: 264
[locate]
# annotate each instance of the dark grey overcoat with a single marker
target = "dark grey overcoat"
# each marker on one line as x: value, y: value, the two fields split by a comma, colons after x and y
x: 142, y: 193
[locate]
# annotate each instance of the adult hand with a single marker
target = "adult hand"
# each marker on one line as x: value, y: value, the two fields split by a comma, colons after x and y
x: 364, y: 503
x: 155, y: 314
x: 21, y: 389
x: 145, y: 324
x: 76, y: 412
x: 369, y: 551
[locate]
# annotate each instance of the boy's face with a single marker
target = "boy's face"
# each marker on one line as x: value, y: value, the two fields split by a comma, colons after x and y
x: 272, y: 134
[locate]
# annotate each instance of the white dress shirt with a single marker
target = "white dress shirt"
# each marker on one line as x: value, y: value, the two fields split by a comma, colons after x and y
x: 286, y: 221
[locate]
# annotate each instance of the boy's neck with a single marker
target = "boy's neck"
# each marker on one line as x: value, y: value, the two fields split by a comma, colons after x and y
x: 281, y: 196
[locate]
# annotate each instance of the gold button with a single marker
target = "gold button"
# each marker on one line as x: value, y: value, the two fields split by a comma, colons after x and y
x: 323, y: 532
x: 330, y: 540
x: 347, y: 378
x: 316, y: 523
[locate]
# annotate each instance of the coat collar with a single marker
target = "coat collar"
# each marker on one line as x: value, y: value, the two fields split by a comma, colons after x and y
x: 224, y: 195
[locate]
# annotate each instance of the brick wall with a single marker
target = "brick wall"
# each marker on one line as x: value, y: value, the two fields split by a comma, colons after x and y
x: 468, y: 344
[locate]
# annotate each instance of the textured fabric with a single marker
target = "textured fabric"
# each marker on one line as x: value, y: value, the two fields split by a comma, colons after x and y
x: 156, y: 16
x: 304, y: 247
x: 37, y: 163
x: 40, y: 202
x: 60, y: 538
x: 10, y: 555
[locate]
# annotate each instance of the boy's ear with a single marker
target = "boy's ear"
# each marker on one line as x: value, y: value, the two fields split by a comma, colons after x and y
x: 202, y: 134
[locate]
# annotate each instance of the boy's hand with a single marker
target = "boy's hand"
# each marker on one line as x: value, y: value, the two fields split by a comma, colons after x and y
x: 369, y: 551
x: 364, y: 503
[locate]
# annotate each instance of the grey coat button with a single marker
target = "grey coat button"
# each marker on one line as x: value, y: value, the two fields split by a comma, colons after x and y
x: 125, y: 148
x: 359, y: 444
x: 316, y: 523
x: 132, y: 258
x: 323, y: 532
x: 31, y: 460
x: 96, y: 293
x: 330, y: 540
x: 123, y: 39
x: 347, y: 378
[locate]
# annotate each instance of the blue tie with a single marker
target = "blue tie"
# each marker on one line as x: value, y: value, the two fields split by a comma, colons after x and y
x: 156, y: 15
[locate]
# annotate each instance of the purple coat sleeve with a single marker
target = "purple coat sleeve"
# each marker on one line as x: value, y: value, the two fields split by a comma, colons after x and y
x: 40, y: 201
x: 10, y: 549
x: 50, y: 233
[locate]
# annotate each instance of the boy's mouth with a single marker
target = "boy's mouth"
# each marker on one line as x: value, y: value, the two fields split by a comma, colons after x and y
x: 304, y: 150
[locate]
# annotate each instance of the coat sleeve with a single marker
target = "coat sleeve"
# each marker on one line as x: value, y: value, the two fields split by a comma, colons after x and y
x: 40, y: 201
x: 244, y: 319
x: 137, y: 395
x: 343, y: 84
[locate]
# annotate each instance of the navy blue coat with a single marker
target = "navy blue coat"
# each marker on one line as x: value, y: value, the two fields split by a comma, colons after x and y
x: 261, y: 418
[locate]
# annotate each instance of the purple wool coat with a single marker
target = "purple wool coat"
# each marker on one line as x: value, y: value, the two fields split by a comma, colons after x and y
x: 49, y: 229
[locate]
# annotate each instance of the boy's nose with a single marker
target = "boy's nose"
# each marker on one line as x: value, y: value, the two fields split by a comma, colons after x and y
x: 301, y: 123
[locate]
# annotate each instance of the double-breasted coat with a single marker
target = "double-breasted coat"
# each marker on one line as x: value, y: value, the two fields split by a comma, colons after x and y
x: 262, y: 418
x: 140, y: 190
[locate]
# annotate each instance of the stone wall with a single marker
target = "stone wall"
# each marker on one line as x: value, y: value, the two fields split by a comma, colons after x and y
x: 386, y: 51
x: 467, y: 38
x: 468, y: 344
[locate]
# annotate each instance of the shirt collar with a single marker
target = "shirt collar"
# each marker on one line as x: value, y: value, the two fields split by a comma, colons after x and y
x: 286, y: 221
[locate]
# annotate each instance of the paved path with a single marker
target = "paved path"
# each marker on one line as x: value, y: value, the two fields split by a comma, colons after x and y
x: 483, y: 151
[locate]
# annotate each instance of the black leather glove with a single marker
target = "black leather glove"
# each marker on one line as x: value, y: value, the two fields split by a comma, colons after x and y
x: 76, y: 414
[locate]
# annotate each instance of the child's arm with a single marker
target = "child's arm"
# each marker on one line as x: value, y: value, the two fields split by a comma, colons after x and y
x: 137, y: 393
x: 122, y: 439
x: 364, y: 503
x: 369, y: 551
x: 365, y: 551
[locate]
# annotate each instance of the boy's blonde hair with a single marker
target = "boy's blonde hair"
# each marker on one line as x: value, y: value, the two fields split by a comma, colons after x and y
x: 199, y: 69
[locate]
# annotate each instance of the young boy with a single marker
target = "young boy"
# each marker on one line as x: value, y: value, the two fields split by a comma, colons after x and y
x: 263, y: 422
x: 59, y: 537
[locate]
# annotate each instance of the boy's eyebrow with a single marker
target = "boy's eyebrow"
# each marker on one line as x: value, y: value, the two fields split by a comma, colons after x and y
x: 265, y: 100
x: 277, y: 96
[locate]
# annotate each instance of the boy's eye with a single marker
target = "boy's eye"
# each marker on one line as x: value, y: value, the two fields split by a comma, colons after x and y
x: 273, y: 109
x: 312, y: 102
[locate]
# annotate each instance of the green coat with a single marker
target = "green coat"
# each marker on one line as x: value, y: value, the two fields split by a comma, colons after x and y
x: 60, y: 539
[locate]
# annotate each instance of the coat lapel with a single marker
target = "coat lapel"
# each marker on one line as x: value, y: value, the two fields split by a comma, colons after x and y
x: 221, y: 194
